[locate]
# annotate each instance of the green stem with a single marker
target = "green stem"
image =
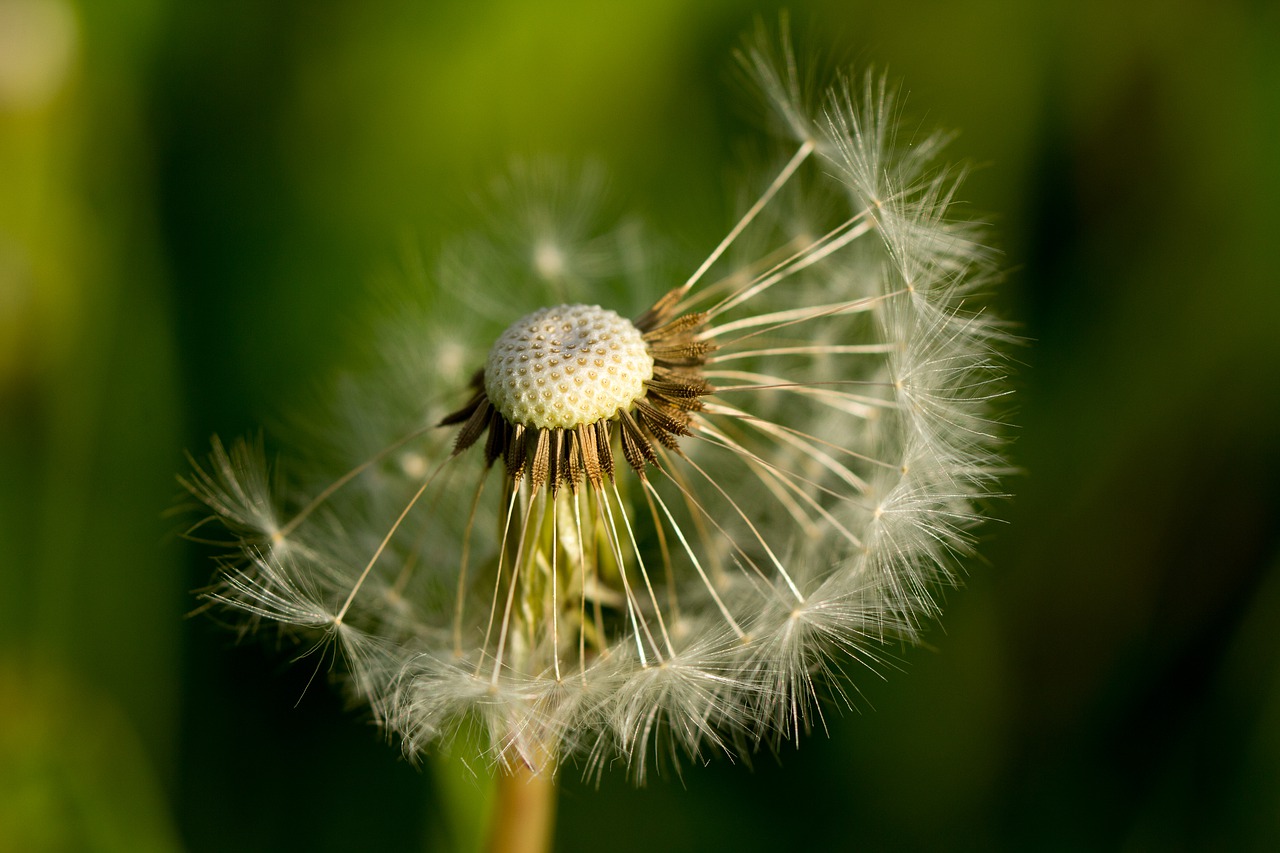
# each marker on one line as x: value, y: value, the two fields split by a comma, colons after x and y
x: 524, y: 811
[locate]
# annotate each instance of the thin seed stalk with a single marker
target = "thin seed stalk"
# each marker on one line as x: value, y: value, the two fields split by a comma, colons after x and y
x: 544, y: 568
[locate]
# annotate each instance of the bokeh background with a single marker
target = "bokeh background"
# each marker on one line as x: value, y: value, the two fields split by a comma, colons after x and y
x: 195, y: 197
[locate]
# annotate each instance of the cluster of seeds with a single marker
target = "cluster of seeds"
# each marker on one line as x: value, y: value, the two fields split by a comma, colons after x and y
x: 568, y: 365
x: 803, y: 440
x: 558, y: 383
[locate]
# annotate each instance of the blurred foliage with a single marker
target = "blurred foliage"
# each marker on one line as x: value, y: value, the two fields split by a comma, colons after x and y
x: 194, y: 196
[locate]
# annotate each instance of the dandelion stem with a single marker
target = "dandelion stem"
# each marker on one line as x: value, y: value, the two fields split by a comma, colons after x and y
x: 524, y: 811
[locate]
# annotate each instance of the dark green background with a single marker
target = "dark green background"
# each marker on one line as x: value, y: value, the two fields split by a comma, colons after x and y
x: 189, y: 222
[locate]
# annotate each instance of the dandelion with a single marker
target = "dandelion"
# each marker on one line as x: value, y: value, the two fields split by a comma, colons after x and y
x: 662, y: 533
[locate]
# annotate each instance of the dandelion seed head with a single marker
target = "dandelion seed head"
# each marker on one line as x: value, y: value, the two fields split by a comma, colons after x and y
x: 669, y: 534
x: 561, y: 367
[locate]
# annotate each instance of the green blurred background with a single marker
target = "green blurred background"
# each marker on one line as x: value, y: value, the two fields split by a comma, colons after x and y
x: 195, y: 197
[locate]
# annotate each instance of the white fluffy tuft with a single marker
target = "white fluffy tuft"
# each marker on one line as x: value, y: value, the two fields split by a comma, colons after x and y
x: 746, y: 565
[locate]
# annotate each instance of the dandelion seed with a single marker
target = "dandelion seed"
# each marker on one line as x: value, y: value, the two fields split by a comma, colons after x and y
x: 690, y: 524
